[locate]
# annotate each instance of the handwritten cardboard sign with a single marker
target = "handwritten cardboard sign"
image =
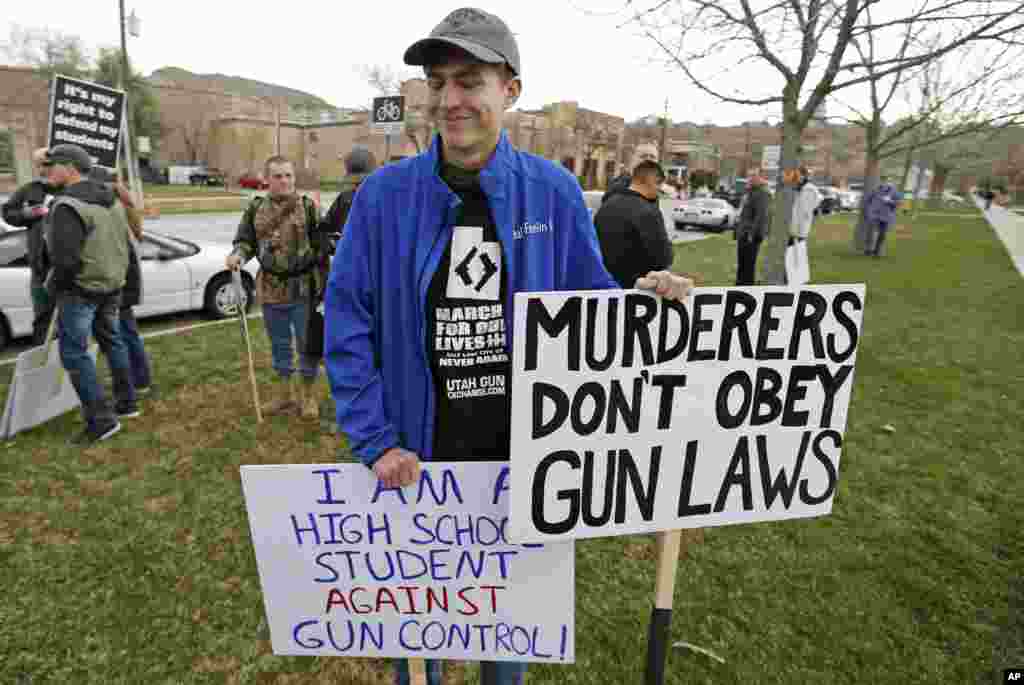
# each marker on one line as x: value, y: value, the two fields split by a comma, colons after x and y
x: 350, y: 568
x: 635, y: 414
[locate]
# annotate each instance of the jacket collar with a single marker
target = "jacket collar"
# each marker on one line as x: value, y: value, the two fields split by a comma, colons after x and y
x: 492, y: 175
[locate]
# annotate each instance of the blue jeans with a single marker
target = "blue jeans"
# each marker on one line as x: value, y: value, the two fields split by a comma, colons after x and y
x: 98, y: 315
x: 281, y: 321
x: 491, y: 672
x: 881, y: 228
x: 141, y: 376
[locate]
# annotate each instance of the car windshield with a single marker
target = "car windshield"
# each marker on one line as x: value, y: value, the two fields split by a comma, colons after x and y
x: 14, y: 249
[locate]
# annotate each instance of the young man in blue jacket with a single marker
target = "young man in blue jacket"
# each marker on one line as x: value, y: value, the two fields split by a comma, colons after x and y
x: 434, y: 249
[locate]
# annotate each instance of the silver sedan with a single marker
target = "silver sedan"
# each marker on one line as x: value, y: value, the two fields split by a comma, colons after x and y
x: 715, y: 214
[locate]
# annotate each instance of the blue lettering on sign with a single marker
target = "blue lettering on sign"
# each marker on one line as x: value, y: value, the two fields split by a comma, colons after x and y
x: 342, y: 637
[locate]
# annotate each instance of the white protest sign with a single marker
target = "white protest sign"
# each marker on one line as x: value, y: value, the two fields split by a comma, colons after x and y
x: 635, y: 414
x: 350, y: 568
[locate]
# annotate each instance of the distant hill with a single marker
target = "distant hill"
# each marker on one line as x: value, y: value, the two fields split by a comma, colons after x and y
x: 235, y: 85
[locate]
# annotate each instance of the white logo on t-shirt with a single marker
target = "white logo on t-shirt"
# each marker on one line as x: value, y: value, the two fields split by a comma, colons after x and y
x: 475, y: 272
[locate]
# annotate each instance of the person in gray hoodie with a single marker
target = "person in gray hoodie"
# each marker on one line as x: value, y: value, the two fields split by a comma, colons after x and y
x: 87, y: 240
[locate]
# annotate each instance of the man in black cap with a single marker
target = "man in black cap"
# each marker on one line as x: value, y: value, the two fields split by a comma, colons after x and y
x: 87, y: 240
x: 28, y: 207
x: 359, y: 163
x: 451, y: 235
x: 631, y: 227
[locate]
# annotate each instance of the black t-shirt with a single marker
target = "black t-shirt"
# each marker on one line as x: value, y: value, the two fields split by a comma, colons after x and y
x: 466, y: 336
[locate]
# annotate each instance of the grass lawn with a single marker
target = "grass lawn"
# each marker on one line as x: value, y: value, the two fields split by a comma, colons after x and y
x: 131, y: 563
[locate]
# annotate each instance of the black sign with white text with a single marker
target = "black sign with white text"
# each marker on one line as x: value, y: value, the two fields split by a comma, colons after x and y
x: 88, y: 115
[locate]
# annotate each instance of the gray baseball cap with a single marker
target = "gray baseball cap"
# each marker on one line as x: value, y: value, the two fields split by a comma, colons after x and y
x: 67, y: 153
x: 483, y: 35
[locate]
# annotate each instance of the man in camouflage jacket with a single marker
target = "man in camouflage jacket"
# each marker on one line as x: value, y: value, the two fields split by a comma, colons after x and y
x: 281, y: 231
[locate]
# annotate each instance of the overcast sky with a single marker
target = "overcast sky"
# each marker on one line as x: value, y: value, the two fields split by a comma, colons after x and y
x: 570, y: 49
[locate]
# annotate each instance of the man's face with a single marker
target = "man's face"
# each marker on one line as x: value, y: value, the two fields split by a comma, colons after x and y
x: 645, y: 153
x: 467, y: 100
x: 280, y: 178
x: 59, y: 175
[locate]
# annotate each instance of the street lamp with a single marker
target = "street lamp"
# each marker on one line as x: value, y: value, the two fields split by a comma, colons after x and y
x: 131, y: 23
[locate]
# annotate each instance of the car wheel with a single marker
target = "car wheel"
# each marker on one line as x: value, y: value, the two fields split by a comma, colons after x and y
x: 724, y: 225
x: 220, y: 295
x: 5, y: 333
x: 680, y: 226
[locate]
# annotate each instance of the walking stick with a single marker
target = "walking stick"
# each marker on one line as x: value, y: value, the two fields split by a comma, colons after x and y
x: 661, y: 614
x: 241, y: 301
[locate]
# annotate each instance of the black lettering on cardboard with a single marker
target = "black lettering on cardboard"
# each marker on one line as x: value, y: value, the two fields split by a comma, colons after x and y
x: 629, y: 471
x: 611, y: 334
x: 797, y: 391
x: 587, y: 494
x: 737, y: 321
x: 619, y: 406
x: 668, y: 352
x: 808, y: 322
x: 831, y: 384
x: 702, y: 325
x: 686, y: 485
x: 781, y: 486
x: 766, y: 394
x: 636, y: 330
x: 830, y: 468
x: 844, y: 320
x: 541, y: 391
x: 572, y: 496
x: 668, y: 383
x: 568, y: 317
x: 741, y: 379
x: 770, y: 323
x: 593, y: 390
x: 737, y: 475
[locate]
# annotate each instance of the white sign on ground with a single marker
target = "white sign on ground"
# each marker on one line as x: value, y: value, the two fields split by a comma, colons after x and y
x: 40, y: 390
x: 636, y: 414
x: 350, y: 568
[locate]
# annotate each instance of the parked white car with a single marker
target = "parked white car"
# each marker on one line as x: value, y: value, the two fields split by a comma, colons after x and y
x: 849, y: 200
x: 708, y: 213
x: 177, y: 276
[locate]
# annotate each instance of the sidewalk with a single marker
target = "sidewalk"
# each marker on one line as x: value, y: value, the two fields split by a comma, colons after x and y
x: 1010, y: 229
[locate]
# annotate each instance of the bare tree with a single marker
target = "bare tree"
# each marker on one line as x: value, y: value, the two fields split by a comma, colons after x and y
x: 804, y: 43
x: 960, y: 93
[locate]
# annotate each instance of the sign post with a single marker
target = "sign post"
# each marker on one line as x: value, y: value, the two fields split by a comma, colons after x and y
x: 387, y: 117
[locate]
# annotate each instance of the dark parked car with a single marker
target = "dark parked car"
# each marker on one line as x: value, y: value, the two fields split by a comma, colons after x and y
x: 206, y: 177
x: 829, y: 201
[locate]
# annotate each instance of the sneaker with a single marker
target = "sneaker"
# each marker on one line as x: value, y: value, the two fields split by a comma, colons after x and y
x: 128, y: 412
x: 94, y: 435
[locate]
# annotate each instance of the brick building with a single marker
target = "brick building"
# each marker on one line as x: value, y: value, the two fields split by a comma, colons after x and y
x: 237, y: 133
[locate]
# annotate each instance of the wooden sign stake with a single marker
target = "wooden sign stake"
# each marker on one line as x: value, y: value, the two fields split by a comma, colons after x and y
x: 661, y: 614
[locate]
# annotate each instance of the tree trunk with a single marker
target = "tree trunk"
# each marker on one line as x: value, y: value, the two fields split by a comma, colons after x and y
x: 872, y: 166
x: 773, y: 262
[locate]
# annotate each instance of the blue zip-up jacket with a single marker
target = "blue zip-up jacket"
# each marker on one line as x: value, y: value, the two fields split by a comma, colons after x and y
x: 375, y: 335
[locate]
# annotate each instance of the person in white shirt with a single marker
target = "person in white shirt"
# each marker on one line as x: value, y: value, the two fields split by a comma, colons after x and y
x: 807, y: 200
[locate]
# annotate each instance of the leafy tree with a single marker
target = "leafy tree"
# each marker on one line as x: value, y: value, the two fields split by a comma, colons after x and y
x: 145, y: 109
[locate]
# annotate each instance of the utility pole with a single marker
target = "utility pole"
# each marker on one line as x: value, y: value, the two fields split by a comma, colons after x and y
x: 133, y: 183
x: 662, y: 152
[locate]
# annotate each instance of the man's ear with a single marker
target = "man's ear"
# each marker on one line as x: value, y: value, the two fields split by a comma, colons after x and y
x: 515, y: 87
